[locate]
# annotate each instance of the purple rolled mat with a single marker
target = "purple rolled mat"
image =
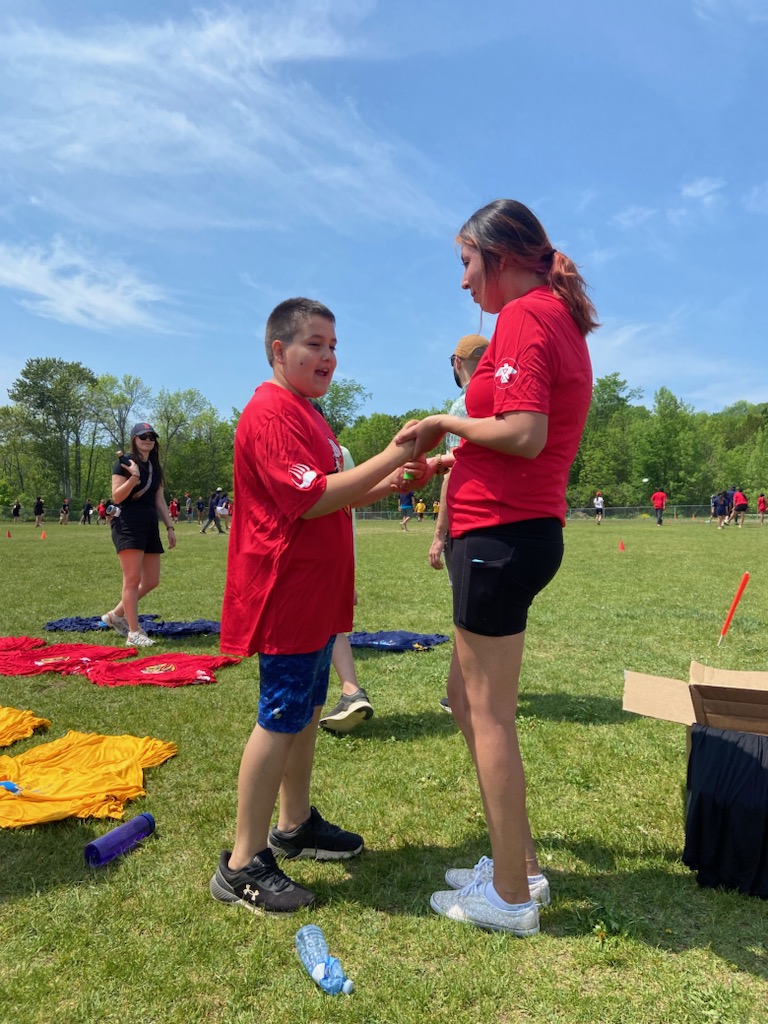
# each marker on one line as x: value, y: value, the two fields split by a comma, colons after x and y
x: 119, y: 840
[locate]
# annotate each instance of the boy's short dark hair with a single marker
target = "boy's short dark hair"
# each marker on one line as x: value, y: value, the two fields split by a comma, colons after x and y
x: 287, y: 318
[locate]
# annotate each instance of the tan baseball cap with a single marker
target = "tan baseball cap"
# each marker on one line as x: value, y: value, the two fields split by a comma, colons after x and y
x: 471, y: 346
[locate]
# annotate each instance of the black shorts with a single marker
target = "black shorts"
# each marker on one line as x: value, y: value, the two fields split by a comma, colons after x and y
x: 741, y: 507
x: 498, y: 570
x: 137, y: 532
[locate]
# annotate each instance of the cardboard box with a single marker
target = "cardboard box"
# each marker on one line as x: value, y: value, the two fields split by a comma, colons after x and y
x: 721, y: 698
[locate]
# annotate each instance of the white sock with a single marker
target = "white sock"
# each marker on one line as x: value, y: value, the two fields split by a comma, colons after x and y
x: 496, y: 901
x: 535, y: 878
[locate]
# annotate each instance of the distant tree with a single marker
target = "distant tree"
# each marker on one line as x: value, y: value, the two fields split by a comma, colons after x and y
x: 174, y: 412
x: 53, y: 397
x: 342, y: 402
x: 117, y: 404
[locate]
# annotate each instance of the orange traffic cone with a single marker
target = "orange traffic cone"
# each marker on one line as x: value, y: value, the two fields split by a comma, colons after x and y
x: 8, y: 534
x: 42, y: 535
x: 621, y: 546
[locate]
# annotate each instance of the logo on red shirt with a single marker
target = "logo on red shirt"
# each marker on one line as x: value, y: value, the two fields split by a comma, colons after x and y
x: 302, y: 476
x: 505, y: 373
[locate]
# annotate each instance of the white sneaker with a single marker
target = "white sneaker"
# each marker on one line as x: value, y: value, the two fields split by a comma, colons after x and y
x: 139, y: 639
x: 458, y: 878
x: 116, y: 622
x: 471, y: 906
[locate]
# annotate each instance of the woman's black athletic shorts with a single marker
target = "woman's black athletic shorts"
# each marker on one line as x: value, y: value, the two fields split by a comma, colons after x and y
x: 138, y: 530
x: 498, y: 570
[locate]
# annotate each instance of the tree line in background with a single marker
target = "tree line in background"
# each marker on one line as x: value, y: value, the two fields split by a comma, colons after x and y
x: 59, y: 436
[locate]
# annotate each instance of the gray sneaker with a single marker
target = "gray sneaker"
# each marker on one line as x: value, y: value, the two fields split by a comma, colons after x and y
x: 459, y: 878
x: 352, y: 709
x: 471, y: 906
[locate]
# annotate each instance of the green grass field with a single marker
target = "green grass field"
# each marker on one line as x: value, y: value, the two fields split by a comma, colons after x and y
x: 630, y: 937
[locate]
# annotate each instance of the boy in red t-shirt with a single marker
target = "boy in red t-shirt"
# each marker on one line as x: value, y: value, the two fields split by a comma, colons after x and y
x: 292, y: 537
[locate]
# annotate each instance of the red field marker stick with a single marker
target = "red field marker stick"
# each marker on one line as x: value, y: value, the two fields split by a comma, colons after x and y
x: 734, y: 604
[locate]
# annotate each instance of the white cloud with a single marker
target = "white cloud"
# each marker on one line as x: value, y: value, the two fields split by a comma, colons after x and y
x: 704, y: 190
x: 212, y: 97
x: 66, y: 285
x: 633, y: 216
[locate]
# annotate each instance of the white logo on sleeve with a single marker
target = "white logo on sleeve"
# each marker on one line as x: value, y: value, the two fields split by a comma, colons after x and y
x: 505, y: 373
x: 302, y: 475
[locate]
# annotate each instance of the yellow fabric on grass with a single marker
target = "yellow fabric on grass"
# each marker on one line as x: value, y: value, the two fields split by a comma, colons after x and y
x: 17, y: 725
x: 81, y: 775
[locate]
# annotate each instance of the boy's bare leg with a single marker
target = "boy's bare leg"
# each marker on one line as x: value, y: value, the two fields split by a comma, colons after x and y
x: 262, y: 767
x: 297, y: 775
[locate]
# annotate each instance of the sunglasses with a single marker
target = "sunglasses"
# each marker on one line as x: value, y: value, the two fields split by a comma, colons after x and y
x: 453, y: 360
x: 147, y: 437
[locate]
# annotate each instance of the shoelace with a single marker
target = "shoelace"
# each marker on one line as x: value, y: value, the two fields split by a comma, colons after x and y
x: 475, y: 888
x: 275, y: 877
x: 484, y: 868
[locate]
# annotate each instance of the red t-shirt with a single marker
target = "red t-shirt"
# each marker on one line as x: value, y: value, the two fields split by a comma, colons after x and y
x: 659, y: 499
x: 159, y: 670
x: 290, y: 581
x: 537, y: 361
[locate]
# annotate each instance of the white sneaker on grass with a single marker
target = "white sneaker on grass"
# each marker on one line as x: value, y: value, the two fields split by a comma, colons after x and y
x: 139, y: 639
x: 471, y: 906
x: 458, y: 878
x: 116, y: 622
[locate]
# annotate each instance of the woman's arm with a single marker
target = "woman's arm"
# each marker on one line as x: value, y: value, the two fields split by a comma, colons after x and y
x: 124, y: 486
x: 513, y: 433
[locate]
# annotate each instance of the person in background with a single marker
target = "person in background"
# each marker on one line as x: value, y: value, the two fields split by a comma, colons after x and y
x: 740, y: 506
x: 353, y: 706
x: 101, y: 512
x: 435, y: 509
x: 200, y: 506
x: 188, y: 506
x: 421, y: 508
x: 173, y: 510
x: 213, y: 505
x: 659, y: 502
x: 762, y: 506
x: 137, y: 490
x: 85, y: 518
x: 222, y: 509
x: 720, y: 508
x: 64, y: 512
x: 39, y: 511
x: 599, y: 502
x: 464, y: 360
x: 405, y: 502
x: 527, y: 403
x: 16, y: 512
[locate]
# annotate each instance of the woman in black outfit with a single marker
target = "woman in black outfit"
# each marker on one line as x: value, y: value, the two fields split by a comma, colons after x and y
x: 137, y: 491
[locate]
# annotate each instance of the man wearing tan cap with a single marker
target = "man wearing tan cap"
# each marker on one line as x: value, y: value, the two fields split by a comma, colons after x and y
x: 464, y: 362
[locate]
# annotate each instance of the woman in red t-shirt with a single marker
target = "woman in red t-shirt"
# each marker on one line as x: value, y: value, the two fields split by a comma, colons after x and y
x: 527, y: 403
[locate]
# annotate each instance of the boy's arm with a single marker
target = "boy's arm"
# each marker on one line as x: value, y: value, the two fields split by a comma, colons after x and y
x: 363, y: 483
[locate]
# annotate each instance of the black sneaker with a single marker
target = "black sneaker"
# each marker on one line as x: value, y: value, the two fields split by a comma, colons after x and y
x: 261, y: 887
x: 317, y: 839
x: 352, y: 709
x: 445, y: 705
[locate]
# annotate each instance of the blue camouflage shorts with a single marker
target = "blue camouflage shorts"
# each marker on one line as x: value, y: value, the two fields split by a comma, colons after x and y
x: 291, y: 686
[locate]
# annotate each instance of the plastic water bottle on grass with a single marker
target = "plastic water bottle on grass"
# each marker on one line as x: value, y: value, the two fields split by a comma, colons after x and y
x: 323, y: 968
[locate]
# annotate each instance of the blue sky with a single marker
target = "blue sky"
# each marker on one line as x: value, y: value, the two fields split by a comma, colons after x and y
x: 169, y: 173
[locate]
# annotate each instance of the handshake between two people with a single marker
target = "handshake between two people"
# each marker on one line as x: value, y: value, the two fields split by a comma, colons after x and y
x: 416, y: 438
